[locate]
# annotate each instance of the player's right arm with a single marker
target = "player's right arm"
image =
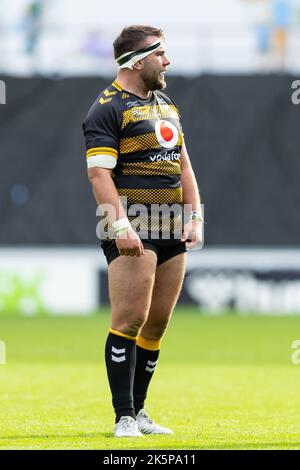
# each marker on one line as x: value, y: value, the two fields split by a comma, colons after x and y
x: 101, y: 131
x: 105, y: 192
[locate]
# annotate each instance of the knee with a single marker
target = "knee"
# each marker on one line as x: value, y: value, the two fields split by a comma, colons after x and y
x: 155, y: 331
x: 135, y: 325
x: 130, y: 326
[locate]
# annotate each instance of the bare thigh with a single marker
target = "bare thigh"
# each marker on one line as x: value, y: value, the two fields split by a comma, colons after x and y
x: 131, y: 281
x: 168, y: 283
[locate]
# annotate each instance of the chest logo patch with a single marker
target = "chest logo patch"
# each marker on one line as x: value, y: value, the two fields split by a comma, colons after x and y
x: 166, y: 133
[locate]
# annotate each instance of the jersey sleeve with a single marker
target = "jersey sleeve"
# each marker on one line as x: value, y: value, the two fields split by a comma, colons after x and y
x: 101, y: 130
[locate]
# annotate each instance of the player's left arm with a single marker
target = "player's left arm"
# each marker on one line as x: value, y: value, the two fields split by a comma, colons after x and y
x: 193, y: 229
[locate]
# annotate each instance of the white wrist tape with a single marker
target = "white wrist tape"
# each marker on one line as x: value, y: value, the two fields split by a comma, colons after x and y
x: 197, y: 215
x: 121, y: 224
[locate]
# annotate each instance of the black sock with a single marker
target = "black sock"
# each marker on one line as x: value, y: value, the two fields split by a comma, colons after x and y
x: 120, y: 357
x: 146, y: 362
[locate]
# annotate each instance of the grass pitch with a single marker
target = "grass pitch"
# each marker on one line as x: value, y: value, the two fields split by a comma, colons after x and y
x: 222, y: 383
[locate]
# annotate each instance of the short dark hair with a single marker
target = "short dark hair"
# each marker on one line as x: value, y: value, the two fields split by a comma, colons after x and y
x: 131, y: 38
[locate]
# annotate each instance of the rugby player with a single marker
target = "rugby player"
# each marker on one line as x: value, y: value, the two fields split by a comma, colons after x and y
x: 135, y: 149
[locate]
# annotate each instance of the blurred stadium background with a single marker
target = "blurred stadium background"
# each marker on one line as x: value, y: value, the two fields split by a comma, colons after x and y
x: 232, y: 68
x: 233, y: 63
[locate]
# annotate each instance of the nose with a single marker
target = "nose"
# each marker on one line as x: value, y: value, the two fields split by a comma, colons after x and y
x: 166, y: 61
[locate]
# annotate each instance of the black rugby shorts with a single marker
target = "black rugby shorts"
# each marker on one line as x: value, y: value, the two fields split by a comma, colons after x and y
x: 164, y: 249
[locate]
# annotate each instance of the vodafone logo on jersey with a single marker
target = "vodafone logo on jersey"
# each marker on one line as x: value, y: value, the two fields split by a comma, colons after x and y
x: 166, y: 133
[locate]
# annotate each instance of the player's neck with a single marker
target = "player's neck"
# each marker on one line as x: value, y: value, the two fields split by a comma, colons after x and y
x: 133, y: 86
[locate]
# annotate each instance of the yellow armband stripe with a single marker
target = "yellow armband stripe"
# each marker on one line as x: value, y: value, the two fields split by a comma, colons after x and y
x: 102, y: 151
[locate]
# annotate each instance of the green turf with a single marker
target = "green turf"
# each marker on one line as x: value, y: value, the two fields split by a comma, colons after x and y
x: 222, y: 383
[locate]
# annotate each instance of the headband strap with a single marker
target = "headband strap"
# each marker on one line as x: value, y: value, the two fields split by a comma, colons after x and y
x: 128, y: 59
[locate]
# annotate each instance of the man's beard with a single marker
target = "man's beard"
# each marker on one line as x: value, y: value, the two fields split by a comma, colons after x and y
x: 153, y: 82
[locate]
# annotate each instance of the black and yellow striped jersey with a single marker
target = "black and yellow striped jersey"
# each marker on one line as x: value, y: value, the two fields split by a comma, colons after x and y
x: 140, y: 140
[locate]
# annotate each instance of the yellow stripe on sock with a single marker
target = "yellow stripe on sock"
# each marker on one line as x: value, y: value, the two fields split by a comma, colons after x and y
x: 150, y: 344
x: 118, y: 333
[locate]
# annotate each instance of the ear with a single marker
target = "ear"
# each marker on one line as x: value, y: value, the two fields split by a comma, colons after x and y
x: 138, y: 65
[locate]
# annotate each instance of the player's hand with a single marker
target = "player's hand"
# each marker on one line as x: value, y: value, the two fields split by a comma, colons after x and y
x: 193, y: 233
x: 130, y: 244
